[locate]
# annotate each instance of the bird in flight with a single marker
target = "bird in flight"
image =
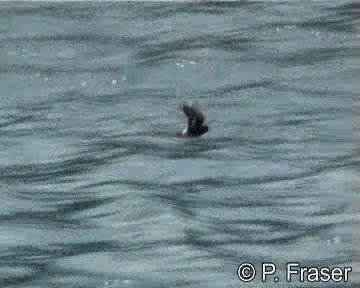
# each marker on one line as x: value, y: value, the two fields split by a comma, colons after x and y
x: 195, y: 121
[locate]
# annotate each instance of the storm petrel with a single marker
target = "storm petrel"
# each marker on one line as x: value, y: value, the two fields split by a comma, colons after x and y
x: 195, y: 121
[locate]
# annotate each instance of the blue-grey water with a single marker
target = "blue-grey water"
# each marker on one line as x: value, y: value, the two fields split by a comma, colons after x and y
x: 96, y: 190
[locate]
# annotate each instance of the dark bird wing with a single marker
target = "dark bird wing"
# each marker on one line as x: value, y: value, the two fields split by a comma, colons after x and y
x: 193, y: 114
x: 200, y: 116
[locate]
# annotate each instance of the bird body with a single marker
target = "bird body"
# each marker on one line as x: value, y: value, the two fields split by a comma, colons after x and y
x: 195, y: 121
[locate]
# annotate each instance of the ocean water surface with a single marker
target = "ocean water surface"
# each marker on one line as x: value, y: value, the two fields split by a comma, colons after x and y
x: 96, y: 190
